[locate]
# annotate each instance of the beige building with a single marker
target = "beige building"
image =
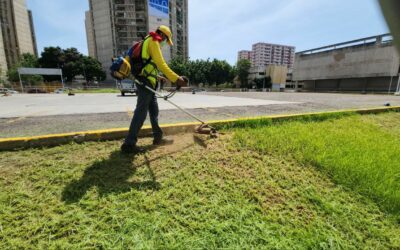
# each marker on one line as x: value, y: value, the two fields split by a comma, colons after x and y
x: 90, y: 34
x: 17, y: 34
x: 113, y: 26
x: 370, y: 64
x: 3, y: 60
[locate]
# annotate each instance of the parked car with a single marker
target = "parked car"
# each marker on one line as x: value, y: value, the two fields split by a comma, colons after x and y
x: 7, y: 91
x: 127, y: 86
x: 36, y: 91
x: 61, y: 91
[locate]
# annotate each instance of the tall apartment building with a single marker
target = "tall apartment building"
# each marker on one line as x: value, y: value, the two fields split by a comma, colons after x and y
x: 264, y: 54
x: 3, y: 59
x: 245, y: 55
x: 113, y: 26
x: 17, y: 35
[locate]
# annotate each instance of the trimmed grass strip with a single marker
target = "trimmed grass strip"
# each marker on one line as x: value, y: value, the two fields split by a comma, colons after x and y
x: 355, y: 151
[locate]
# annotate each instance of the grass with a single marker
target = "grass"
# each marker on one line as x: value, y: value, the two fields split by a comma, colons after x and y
x: 227, y: 193
x: 360, y: 152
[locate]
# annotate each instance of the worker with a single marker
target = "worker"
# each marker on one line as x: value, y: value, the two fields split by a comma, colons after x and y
x: 147, y: 101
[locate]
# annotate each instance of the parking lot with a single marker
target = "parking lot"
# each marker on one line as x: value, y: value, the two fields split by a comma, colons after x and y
x: 38, y: 114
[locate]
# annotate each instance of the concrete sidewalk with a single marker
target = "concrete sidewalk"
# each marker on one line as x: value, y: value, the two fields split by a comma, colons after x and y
x: 38, y: 122
x: 24, y: 105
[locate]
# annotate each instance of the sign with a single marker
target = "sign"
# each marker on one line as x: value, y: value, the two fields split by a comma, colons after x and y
x: 159, y: 15
x: 39, y: 71
x: 159, y: 8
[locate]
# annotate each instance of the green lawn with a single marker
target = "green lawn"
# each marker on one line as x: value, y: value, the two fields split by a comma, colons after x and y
x: 360, y: 152
x: 299, y: 185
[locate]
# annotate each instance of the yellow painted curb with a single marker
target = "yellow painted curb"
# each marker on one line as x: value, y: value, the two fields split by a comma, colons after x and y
x: 169, y: 129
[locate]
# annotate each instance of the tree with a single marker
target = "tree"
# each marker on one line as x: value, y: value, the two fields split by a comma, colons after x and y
x: 232, y: 74
x: 28, y: 61
x: 204, y: 71
x: 179, y: 66
x: 52, y: 57
x: 220, y: 72
x: 243, y: 71
x: 264, y: 82
x: 200, y: 71
x: 92, y: 69
x: 72, y: 63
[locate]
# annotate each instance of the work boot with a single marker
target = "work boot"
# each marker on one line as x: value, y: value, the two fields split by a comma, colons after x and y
x: 128, y: 149
x: 162, y: 141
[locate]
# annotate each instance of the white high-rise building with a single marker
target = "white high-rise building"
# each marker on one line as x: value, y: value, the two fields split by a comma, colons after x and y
x: 113, y: 26
x: 245, y: 55
x: 264, y: 54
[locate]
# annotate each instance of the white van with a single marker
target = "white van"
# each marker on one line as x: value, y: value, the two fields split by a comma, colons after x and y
x: 7, y: 91
x: 127, y: 86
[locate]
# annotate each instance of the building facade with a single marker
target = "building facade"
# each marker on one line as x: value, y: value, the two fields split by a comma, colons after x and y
x: 369, y: 64
x: 3, y: 59
x: 264, y: 54
x: 113, y: 26
x: 17, y: 33
x: 245, y: 55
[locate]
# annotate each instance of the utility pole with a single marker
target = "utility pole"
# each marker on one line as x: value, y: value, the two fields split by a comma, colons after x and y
x: 264, y: 85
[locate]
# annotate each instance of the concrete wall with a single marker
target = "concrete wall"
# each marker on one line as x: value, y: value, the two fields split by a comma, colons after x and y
x: 373, y: 60
x: 33, y: 33
x: 23, y: 27
x: 9, y: 32
x: 104, y: 37
x: 277, y: 73
x: 371, y: 84
x: 17, y: 34
x: 3, y: 60
x: 90, y: 34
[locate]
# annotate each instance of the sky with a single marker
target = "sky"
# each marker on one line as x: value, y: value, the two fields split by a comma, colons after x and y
x: 220, y: 28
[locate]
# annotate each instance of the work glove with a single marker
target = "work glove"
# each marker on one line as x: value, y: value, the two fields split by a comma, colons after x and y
x: 181, y: 82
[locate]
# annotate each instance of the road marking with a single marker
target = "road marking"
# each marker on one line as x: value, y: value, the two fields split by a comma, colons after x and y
x: 16, y: 120
x: 23, y: 117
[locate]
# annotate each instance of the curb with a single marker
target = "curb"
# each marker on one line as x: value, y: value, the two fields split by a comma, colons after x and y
x: 169, y: 129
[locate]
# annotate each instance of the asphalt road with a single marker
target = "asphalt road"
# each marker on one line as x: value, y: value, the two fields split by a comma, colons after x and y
x: 28, y: 116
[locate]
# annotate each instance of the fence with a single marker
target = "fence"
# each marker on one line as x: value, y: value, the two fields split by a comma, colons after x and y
x: 38, y: 88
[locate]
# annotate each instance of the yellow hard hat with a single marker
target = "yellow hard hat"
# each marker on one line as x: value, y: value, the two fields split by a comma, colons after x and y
x: 166, y: 31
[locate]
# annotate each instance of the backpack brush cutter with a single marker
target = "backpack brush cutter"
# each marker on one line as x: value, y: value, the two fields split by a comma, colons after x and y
x: 204, y: 128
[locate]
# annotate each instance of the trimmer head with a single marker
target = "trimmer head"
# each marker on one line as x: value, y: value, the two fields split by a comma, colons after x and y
x: 205, y: 129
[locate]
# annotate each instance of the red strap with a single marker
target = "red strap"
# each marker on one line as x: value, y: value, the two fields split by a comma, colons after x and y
x: 155, y: 36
